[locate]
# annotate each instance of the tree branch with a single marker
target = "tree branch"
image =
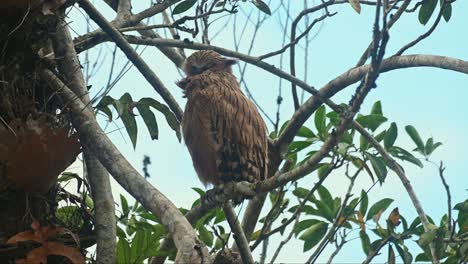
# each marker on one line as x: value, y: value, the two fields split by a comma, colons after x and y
x: 104, y: 211
x: 241, y: 241
x: 190, y: 248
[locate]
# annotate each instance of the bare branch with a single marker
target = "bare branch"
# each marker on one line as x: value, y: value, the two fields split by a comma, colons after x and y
x: 375, y: 252
x: 449, y: 196
x: 426, y: 34
x: 124, y: 9
x: 239, y: 236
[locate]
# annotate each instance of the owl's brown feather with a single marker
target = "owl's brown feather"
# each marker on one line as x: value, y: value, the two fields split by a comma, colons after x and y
x: 222, y: 128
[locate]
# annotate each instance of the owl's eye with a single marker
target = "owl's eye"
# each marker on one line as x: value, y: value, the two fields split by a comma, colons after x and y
x: 196, y: 70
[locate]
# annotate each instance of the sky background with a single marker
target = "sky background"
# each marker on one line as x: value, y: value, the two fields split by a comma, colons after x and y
x: 432, y: 100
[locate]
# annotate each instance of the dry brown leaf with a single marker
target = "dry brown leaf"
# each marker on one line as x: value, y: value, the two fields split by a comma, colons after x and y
x: 361, y: 221
x: 394, y: 217
x: 41, y: 234
x: 356, y: 5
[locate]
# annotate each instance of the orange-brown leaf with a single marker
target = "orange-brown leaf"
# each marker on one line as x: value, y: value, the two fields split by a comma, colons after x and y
x: 23, y: 236
x: 42, y: 234
x: 56, y: 248
x: 361, y: 221
x: 394, y: 217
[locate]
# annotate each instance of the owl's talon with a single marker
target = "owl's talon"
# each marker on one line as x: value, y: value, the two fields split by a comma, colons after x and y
x: 210, y: 195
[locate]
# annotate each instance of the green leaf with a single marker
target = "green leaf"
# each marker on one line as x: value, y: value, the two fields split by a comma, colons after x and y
x: 334, y: 118
x: 413, y: 133
x: 206, y: 236
x: 430, y: 146
x: 391, y: 135
x: 183, y: 6
x: 404, y: 155
x: 381, y: 136
x: 283, y: 126
x: 365, y: 242
x: 404, y: 253
x: 313, y: 235
x: 426, y: 238
x: 377, y: 108
x: 391, y: 255
x: 462, y: 218
x: 447, y: 13
x: 103, y: 106
x: 320, y: 122
x: 372, y: 121
x: 303, y: 225
x: 300, y: 192
x: 381, y: 205
x: 144, y: 244
x: 426, y: 10
x: 364, y: 203
x: 297, y: 146
x: 70, y: 216
x: 149, y: 119
x: 124, y: 108
x: 423, y: 257
x: 323, y: 170
x: 307, y: 209
x: 324, y: 210
x: 123, y: 251
x: 305, y: 132
x: 363, y: 143
x: 124, y: 204
x: 149, y: 216
x: 120, y: 233
x: 262, y: 6
x: 325, y: 196
x: 171, y: 119
x: 199, y: 191
x: 378, y: 165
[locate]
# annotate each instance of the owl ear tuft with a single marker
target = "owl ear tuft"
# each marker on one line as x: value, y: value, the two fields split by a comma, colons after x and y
x: 230, y: 62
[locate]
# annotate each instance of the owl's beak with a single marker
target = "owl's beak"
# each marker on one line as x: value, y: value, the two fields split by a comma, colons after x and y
x: 230, y: 62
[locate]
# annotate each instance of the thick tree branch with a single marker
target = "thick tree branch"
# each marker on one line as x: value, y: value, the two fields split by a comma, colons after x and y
x: 190, y: 248
x: 104, y: 211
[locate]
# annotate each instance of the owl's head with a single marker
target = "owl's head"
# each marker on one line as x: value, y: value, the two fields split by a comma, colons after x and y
x: 205, y: 60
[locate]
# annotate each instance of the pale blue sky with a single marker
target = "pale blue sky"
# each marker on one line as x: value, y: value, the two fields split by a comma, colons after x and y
x: 432, y: 100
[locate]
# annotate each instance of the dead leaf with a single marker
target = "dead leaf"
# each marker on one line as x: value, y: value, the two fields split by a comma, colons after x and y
x: 361, y: 221
x: 394, y: 217
x: 42, y: 234
x: 356, y: 5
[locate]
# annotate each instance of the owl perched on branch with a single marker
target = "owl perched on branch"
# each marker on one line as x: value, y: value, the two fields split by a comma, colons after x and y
x: 224, y: 133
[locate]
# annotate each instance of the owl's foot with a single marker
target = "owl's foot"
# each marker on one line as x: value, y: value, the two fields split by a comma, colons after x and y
x: 213, y: 195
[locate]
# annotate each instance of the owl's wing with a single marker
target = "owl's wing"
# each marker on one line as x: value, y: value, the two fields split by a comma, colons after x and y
x: 235, y: 131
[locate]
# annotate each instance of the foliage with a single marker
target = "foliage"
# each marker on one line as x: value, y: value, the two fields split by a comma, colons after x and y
x: 124, y: 107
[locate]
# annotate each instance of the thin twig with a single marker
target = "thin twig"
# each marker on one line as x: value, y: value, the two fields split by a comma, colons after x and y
x: 374, y: 253
x: 426, y: 34
x: 239, y: 236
